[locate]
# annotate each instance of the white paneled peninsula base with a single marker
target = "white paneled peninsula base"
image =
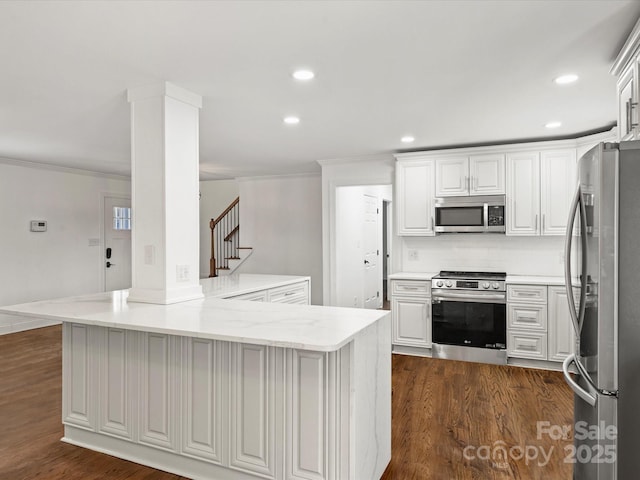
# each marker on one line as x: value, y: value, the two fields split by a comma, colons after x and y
x: 224, y: 389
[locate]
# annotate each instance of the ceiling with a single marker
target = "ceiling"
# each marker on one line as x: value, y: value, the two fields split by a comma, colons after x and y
x: 449, y: 73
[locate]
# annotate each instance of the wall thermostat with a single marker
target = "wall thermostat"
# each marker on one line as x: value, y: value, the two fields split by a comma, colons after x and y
x: 38, y: 225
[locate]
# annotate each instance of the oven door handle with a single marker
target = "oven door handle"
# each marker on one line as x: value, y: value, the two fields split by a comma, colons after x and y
x: 462, y: 297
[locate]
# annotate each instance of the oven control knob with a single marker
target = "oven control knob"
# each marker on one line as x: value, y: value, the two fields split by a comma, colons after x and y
x: 448, y: 284
x: 495, y: 285
x: 485, y: 285
x: 439, y: 283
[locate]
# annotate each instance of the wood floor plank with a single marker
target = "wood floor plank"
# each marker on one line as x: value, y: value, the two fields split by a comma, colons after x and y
x: 440, y: 407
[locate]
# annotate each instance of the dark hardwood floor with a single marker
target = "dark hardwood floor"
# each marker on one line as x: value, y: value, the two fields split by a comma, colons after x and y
x: 440, y: 408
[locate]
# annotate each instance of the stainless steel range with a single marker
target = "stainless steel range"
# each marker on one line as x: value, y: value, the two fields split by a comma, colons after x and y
x: 468, y: 316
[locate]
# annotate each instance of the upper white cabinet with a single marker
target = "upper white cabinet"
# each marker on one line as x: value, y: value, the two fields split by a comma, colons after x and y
x: 523, y: 193
x: 558, y: 179
x: 628, y: 103
x: 626, y: 69
x: 470, y: 175
x: 540, y: 185
x: 414, y: 197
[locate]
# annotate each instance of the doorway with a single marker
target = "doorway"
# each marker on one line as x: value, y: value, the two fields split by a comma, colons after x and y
x: 117, y: 243
x: 361, y: 257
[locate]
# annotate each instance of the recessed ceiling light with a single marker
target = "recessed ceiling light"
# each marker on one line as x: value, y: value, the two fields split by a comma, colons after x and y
x: 407, y: 139
x: 291, y: 120
x: 303, y: 75
x: 566, y: 79
x: 553, y: 124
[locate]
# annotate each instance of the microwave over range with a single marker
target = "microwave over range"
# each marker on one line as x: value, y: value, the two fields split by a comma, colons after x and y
x: 474, y: 214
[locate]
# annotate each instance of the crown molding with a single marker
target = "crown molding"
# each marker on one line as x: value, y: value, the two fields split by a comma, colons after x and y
x: 58, y: 168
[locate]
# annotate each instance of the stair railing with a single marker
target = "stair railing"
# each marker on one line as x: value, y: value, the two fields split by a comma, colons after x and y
x: 225, y: 238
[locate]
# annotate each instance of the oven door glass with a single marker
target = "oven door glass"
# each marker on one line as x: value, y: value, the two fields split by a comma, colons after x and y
x: 471, y: 216
x: 469, y: 323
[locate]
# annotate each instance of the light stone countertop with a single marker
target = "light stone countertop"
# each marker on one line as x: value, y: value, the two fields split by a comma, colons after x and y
x: 305, y: 327
x: 534, y: 280
x: 239, y: 284
x: 412, y: 276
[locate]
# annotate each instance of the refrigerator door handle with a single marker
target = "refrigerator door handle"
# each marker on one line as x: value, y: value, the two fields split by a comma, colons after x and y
x: 584, y: 267
x: 589, y: 397
x: 567, y: 260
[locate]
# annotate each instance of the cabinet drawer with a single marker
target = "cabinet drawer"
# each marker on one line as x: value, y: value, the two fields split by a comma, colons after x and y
x: 527, y: 293
x: 411, y: 287
x: 260, y: 296
x: 298, y: 293
x: 527, y: 317
x: 527, y: 345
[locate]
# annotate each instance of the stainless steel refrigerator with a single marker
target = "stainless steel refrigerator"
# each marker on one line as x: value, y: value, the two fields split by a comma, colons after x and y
x: 606, y: 272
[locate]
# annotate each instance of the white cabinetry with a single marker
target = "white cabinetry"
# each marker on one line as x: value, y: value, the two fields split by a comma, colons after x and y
x: 538, y: 323
x: 558, y: 180
x: 414, y: 197
x: 561, y: 337
x: 411, y: 313
x: 523, y: 193
x: 527, y: 321
x: 159, y: 389
x: 117, y: 381
x: 216, y: 409
x: 79, y: 400
x: 202, y: 399
x: 470, y: 175
x: 298, y: 293
x: 626, y: 69
x: 628, y: 102
x: 540, y: 186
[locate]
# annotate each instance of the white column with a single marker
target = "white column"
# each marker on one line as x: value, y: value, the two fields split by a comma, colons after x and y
x: 164, y: 189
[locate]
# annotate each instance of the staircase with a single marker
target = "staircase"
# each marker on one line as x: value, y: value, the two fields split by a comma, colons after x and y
x: 226, y: 253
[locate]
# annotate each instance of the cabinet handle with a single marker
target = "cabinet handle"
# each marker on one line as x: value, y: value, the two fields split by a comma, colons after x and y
x: 410, y: 288
x: 536, y: 227
x: 432, y: 224
x: 530, y: 348
x: 528, y: 319
x: 543, y: 222
x: 526, y: 294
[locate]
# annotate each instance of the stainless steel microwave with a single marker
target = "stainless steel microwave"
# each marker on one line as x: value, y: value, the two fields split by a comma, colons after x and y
x: 473, y: 214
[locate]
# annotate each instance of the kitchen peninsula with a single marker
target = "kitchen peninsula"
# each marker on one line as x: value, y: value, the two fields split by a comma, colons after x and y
x: 219, y: 388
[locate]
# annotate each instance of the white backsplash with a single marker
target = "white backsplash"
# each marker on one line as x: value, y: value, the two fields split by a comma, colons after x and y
x: 483, y: 252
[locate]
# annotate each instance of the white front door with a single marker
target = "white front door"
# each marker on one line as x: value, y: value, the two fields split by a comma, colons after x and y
x: 371, y: 249
x: 117, y: 243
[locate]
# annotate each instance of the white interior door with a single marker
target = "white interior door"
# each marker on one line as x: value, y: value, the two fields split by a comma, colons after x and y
x: 117, y: 243
x: 371, y: 249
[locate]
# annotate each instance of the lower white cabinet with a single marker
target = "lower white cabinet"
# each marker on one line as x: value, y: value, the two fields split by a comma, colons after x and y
x: 296, y: 293
x: 234, y: 410
x: 79, y: 401
x: 117, y: 349
x: 252, y: 432
x: 411, y: 313
x: 561, y: 336
x: 159, y: 389
x: 202, y: 398
x: 538, y: 323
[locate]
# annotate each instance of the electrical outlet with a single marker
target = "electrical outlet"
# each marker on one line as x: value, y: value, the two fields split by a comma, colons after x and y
x: 413, y: 255
x: 182, y: 273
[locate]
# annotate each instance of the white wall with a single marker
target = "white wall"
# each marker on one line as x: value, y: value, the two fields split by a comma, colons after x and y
x: 58, y: 262
x: 281, y: 218
x: 484, y: 252
x: 216, y: 195
x: 349, y: 241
